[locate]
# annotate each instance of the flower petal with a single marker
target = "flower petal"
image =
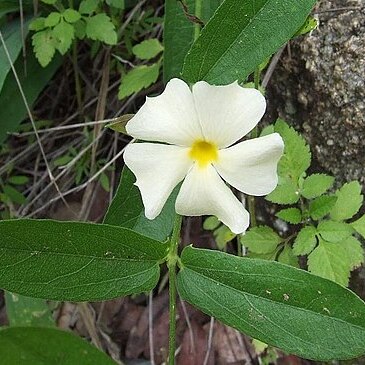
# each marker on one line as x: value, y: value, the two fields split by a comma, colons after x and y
x: 227, y: 113
x: 203, y: 192
x: 158, y: 169
x: 170, y: 117
x: 250, y: 166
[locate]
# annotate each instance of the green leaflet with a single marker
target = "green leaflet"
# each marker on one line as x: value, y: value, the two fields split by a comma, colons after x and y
x: 240, y: 36
x: 76, y: 261
x: 40, y: 346
x: 275, y: 303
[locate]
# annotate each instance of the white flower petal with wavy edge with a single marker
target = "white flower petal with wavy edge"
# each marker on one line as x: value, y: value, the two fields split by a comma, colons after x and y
x: 170, y: 117
x: 250, y: 166
x: 203, y: 192
x: 158, y: 169
x: 227, y: 113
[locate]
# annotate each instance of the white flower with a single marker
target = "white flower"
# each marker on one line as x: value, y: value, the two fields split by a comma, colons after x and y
x: 198, y: 127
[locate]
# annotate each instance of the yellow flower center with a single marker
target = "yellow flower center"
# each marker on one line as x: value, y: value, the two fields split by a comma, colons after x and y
x: 203, y: 152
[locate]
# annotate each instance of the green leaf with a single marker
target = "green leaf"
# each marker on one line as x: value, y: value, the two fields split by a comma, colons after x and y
x: 138, y: 79
x: 240, y: 36
x: 76, y: 261
x: 222, y: 236
x: 88, y: 6
x: 14, y: 195
x: 104, y: 182
x: 280, y: 305
x: 355, y: 252
x: 64, y: 34
x: 359, y: 226
x: 261, y: 239
x: 127, y: 210
x: 25, y: 346
x: 179, y: 33
x: 49, y: 2
x: 119, y: 4
x: 316, y: 184
x: 71, y: 15
x: 12, y: 34
x: 147, y: 49
x: 24, y: 311
x: 52, y: 19
x: 334, y: 231
x: 291, y: 215
x: 321, y: 206
x: 288, y: 257
x: 44, y: 46
x: 18, y: 180
x: 309, y: 25
x: 305, y: 241
x: 297, y: 156
x: 211, y: 223
x: 33, y: 81
x: 119, y: 124
x: 37, y: 24
x: 285, y: 193
x: 100, y: 28
x: 349, y: 201
x: 329, y: 260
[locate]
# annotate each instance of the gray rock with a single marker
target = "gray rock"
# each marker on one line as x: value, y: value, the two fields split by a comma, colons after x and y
x: 319, y: 87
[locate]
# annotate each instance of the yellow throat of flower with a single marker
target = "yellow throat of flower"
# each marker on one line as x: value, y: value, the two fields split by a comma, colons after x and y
x: 203, y: 152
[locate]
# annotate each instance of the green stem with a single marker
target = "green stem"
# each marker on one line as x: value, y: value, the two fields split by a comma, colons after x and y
x: 254, y: 134
x: 76, y: 75
x: 198, y: 14
x: 171, y: 264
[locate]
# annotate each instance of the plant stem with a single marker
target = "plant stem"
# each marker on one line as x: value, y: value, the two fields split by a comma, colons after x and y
x: 198, y: 14
x: 254, y: 134
x: 76, y: 75
x: 171, y: 264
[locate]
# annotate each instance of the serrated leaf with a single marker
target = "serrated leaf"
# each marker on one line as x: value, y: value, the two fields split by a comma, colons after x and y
x: 52, y: 19
x: 269, y: 129
x: 329, y: 260
x: 240, y: 36
x: 100, y: 28
x: 138, y: 79
x: 261, y: 239
x: 285, y: 193
x: 26, y: 345
x: 80, y: 29
x: 297, y: 157
x: 305, y: 241
x: 349, y: 200
x: 280, y: 305
x: 355, y: 252
x: 291, y: 215
x: 18, y: 180
x: 211, y: 223
x: 44, y: 46
x: 316, y: 184
x: 288, y: 257
x: 321, y: 206
x: 64, y: 34
x: 73, y: 261
x: 25, y: 311
x: 334, y: 231
x: 37, y: 24
x: 127, y: 210
x: 71, y: 15
x: 359, y: 226
x: 147, y: 49
x: 88, y: 6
